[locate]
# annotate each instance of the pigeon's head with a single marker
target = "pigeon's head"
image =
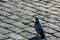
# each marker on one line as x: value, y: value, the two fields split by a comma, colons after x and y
x: 36, y: 18
x: 37, y: 21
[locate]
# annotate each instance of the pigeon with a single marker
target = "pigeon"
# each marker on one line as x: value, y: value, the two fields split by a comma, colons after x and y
x: 39, y: 29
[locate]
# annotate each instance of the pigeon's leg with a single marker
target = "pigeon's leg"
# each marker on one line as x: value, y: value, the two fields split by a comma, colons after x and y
x: 38, y: 34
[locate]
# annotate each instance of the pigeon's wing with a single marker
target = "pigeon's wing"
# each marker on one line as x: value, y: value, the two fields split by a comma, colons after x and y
x: 38, y: 26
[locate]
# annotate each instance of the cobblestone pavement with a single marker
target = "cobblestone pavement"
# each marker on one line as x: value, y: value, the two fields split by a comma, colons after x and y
x: 17, y: 19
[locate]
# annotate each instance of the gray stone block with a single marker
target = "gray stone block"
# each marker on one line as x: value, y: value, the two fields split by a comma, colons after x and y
x: 51, y: 38
x: 4, y: 31
x: 2, y: 36
x: 14, y: 36
x: 27, y: 34
x: 30, y: 29
x: 49, y: 30
x: 1, y: 17
x: 57, y: 34
x: 16, y: 29
x: 13, y: 17
x: 4, y: 13
x: 52, y: 26
x: 9, y: 39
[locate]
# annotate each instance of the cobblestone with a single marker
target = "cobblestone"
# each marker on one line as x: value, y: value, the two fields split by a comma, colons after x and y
x: 2, y: 36
x: 47, y: 35
x: 27, y: 34
x: 57, y: 34
x: 9, y: 39
x: 14, y: 36
x: 4, y: 13
x: 31, y: 29
x: 57, y: 23
x: 1, y: 17
x: 49, y: 30
x: 19, y: 24
x: 51, y: 38
x: 58, y: 38
x: 17, y: 30
x: 9, y: 21
x: 52, y: 26
x: 7, y: 9
x: 54, y: 17
x: 13, y: 17
x: 5, y: 25
x: 4, y: 31
x: 31, y: 24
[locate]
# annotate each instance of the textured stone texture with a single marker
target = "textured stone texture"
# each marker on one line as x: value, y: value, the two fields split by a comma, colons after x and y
x: 17, y: 19
x: 27, y: 34
x: 2, y: 36
x: 14, y: 36
x: 30, y: 29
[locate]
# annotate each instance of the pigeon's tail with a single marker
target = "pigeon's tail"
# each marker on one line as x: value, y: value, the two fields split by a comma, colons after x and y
x: 42, y: 36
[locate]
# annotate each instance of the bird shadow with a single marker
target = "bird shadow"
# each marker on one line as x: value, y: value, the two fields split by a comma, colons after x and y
x: 35, y: 38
